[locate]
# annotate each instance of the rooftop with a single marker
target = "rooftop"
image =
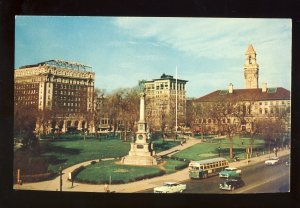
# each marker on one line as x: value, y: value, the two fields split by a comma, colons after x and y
x: 278, y: 93
x: 61, y: 64
x: 167, y: 77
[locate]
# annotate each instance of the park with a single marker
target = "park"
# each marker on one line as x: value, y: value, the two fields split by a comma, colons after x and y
x: 106, y: 150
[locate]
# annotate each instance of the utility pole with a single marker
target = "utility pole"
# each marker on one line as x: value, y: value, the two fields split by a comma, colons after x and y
x: 60, y: 178
x: 176, y: 105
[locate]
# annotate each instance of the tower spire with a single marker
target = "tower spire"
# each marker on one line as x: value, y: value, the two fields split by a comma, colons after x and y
x: 251, y: 68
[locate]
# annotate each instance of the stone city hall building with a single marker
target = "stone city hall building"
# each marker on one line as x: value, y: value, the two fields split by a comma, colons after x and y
x: 258, y: 103
x: 66, y: 89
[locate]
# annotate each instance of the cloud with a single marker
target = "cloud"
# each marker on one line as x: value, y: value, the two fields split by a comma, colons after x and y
x: 209, y: 37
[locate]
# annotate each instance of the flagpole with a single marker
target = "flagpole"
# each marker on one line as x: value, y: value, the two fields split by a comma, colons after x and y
x: 176, y: 103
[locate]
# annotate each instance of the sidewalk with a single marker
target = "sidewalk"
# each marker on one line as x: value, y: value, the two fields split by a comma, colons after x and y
x: 179, y: 176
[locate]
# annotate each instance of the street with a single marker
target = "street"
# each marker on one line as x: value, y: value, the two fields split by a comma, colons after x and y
x: 258, y: 178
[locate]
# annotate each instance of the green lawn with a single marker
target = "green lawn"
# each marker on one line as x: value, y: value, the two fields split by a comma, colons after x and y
x: 209, y: 149
x: 70, y: 150
x: 67, y: 153
x: 101, y: 172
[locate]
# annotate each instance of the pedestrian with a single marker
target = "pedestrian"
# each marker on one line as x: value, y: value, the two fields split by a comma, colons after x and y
x: 106, y: 188
x: 181, y: 143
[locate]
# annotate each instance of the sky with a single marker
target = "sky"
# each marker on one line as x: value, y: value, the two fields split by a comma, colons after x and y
x: 208, y: 52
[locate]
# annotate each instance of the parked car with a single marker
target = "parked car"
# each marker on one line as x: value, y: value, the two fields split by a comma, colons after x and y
x: 170, y: 187
x: 272, y: 161
x: 230, y: 172
x: 231, y: 184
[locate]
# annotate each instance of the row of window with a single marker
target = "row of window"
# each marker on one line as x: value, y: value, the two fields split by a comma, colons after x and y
x: 31, y: 102
x: 71, y: 104
x: 69, y: 98
x: 69, y: 86
x: 26, y: 97
x: 64, y: 92
x: 275, y: 102
x: 269, y: 111
x: 71, y: 81
x: 213, y: 121
x: 25, y: 86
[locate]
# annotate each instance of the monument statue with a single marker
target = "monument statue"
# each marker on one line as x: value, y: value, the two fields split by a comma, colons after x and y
x: 141, y: 151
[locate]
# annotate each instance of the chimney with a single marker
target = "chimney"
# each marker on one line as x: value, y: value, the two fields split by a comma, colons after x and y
x: 230, y: 88
x: 264, y: 87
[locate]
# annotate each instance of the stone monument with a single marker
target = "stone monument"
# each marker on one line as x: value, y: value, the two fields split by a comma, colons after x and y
x: 141, y: 152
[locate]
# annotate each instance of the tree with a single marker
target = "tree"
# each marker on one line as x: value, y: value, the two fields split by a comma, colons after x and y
x: 226, y: 116
x: 100, y: 107
x: 25, y: 118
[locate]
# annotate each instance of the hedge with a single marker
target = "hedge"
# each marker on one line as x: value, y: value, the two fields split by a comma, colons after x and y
x: 75, y: 172
x: 37, y: 177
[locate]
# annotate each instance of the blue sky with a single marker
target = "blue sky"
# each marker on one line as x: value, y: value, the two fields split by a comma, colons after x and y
x: 208, y: 52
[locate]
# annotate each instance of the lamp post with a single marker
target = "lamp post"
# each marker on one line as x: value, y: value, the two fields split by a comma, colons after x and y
x: 219, y: 149
x: 60, y: 178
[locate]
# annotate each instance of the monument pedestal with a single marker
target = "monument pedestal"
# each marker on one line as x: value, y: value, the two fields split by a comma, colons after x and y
x: 140, y: 154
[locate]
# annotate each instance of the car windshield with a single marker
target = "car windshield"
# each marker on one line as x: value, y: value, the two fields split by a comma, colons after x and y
x: 229, y: 169
x: 169, y: 184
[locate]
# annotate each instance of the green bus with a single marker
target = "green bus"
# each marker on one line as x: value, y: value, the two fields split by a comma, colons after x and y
x: 205, y: 168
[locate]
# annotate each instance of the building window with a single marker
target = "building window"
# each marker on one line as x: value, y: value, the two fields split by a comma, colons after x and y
x: 260, y: 111
x: 266, y: 110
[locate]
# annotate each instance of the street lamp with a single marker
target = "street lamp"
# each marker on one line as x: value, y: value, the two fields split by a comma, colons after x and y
x: 219, y: 149
x: 60, y: 178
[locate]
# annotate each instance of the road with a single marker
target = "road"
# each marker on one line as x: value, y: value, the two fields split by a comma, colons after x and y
x: 259, y: 178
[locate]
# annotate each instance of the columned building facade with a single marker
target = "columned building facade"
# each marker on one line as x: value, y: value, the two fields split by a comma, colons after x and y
x: 62, y: 91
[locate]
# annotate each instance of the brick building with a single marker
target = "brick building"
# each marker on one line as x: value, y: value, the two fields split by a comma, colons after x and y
x: 63, y: 90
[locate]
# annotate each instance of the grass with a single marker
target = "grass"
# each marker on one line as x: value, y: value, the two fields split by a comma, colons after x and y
x: 172, y: 166
x: 100, y: 173
x: 68, y: 153
x: 72, y: 149
x: 160, y: 145
x: 210, y: 149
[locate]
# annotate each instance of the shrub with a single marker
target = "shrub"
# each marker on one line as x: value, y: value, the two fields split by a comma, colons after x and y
x: 76, y: 171
x: 37, y: 177
x: 181, y: 166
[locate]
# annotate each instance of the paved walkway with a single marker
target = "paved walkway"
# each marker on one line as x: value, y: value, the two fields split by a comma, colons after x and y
x: 182, y: 175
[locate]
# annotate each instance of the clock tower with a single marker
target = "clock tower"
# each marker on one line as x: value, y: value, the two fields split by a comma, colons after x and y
x: 251, y: 69
x: 141, y: 151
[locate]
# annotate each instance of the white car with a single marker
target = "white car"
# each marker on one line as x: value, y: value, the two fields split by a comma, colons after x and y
x: 272, y: 161
x: 170, y: 187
